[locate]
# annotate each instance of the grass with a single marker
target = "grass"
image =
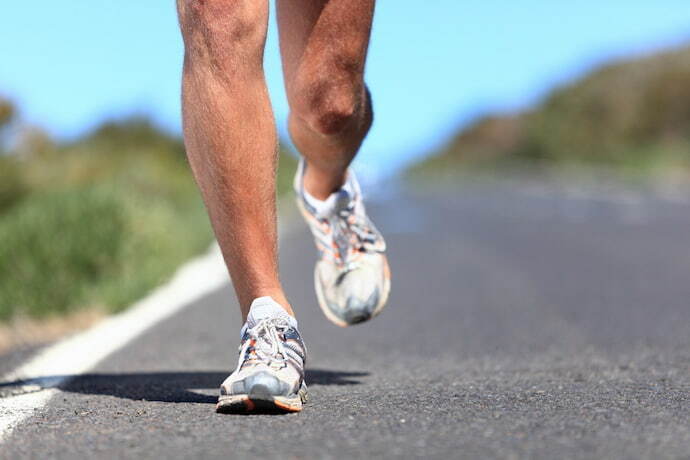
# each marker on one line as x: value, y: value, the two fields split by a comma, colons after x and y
x: 99, y: 222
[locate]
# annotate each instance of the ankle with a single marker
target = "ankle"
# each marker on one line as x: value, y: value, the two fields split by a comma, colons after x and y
x: 322, y: 183
x: 276, y: 294
x: 283, y: 302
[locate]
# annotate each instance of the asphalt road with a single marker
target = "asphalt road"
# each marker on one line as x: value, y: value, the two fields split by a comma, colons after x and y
x: 526, y: 320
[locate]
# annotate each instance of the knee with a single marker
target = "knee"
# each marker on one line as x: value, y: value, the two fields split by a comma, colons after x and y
x: 330, y: 104
x: 223, y: 31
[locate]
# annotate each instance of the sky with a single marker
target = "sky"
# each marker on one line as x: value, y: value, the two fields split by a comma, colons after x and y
x: 433, y: 66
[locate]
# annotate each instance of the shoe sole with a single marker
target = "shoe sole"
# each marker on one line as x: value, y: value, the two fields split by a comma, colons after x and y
x: 322, y: 300
x: 242, y: 404
x: 259, y: 400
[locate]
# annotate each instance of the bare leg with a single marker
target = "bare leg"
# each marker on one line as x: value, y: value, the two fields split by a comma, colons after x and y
x: 230, y: 137
x: 324, y: 45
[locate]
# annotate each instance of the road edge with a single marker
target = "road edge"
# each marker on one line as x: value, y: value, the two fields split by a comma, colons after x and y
x: 37, y: 379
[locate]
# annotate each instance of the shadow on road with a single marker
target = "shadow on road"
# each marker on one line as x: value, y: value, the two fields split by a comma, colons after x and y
x: 172, y: 387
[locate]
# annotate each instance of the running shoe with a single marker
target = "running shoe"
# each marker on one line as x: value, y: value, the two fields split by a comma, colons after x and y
x: 270, y: 371
x: 351, y: 277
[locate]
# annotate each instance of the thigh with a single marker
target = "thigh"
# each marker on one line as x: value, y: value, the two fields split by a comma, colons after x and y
x: 327, y: 37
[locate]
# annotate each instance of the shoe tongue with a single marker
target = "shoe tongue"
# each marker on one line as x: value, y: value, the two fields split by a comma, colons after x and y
x: 265, y: 307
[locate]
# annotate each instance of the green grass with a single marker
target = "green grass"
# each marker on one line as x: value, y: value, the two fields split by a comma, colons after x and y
x: 100, y: 222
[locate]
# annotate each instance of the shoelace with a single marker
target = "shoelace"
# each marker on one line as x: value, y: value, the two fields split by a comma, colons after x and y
x: 268, y: 347
x: 346, y: 224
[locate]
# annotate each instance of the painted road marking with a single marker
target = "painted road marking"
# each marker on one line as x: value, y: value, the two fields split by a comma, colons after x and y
x: 76, y: 355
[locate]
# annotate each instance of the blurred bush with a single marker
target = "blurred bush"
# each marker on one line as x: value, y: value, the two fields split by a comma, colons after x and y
x: 7, y: 112
x: 58, y: 246
x: 97, y: 222
x: 12, y: 184
x: 632, y: 115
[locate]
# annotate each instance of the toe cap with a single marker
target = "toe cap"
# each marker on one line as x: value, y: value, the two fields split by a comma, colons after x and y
x: 357, y: 310
x: 258, y: 384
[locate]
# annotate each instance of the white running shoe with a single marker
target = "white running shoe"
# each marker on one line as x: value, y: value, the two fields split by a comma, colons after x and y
x: 352, y: 277
x: 270, y: 372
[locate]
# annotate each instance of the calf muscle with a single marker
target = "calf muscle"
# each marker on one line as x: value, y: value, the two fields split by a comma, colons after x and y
x: 230, y: 136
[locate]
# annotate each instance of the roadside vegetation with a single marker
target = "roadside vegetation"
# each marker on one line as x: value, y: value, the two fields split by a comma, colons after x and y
x: 95, y: 223
x: 631, y: 118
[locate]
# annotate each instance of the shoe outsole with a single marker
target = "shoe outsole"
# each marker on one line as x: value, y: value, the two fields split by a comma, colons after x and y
x: 242, y: 404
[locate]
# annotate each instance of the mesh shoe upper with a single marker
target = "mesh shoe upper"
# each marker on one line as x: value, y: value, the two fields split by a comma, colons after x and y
x: 352, y: 278
x: 272, y: 356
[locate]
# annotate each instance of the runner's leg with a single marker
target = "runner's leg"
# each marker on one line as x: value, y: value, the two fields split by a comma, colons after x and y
x: 324, y: 45
x: 230, y: 137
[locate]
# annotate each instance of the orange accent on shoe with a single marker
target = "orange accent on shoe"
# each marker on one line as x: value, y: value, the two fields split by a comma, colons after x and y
x: 287, y: 407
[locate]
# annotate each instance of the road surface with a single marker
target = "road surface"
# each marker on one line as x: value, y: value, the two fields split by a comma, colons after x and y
x: 526, y: 320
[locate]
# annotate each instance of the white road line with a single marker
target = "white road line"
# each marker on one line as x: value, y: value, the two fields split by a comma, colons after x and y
x: 83, y: 351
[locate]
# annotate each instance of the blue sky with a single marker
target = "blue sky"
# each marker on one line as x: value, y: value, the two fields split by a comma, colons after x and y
x: 433, y: 65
